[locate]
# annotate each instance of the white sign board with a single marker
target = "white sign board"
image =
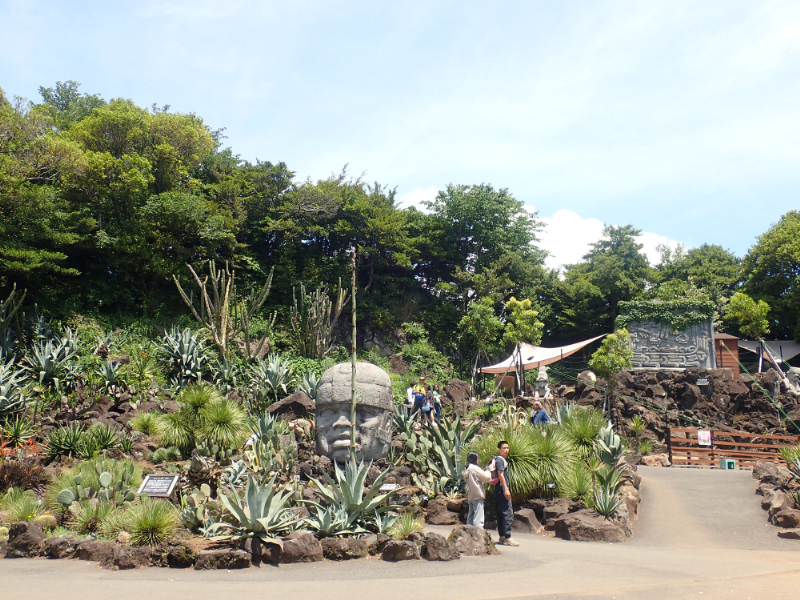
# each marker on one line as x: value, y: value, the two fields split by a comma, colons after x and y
x: 703, y: 437
x: 388, y: 487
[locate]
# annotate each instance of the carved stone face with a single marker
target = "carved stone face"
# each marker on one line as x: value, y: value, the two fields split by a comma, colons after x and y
x: 374, y: 406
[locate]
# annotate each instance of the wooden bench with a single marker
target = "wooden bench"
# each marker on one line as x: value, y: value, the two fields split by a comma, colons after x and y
x: 745, y: 448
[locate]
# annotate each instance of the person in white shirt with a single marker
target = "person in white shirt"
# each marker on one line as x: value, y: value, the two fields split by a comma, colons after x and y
x: 476, y: 493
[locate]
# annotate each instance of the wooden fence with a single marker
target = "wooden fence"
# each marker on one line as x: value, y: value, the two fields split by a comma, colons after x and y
x: 745, y: 448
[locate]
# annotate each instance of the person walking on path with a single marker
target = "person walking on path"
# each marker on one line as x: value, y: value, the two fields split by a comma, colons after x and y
x: 502, y: 496
x: 476, y: 494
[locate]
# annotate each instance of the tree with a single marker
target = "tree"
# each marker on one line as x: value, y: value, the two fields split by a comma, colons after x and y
x: 613, y: 271
x: 481, y: 327
x: 522, y: 325
x: 751, y: 316
x: 613, y: 355
x: 771, y: 272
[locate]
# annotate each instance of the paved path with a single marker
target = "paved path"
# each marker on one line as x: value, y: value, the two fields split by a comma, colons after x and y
x: 702, y: 535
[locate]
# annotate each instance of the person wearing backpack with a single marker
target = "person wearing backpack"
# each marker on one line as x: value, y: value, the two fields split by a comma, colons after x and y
x: 419, y: 391
x: 502, y: 495
x: 427, y: 406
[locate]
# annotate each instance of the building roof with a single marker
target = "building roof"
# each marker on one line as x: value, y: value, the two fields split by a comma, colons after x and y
x: 725, y: 336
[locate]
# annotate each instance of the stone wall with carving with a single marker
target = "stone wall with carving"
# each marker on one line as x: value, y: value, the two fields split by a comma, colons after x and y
x: 656, y: 346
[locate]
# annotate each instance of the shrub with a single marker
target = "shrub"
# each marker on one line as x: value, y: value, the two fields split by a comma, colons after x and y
x: 223, y: 423
x: 581, y: 427
x: 25, y: 508
x: 65, y: 441
x: 146, y: 422
x: 645, y: 447
x: 87, y: 515
x: 151, y: 522
x: 25, y: 473
x: 17, y: 431
x: 404, y: 526
x: 553, y: 457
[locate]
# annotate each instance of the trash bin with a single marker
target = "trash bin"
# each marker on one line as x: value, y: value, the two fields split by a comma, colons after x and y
x: 727, y: 463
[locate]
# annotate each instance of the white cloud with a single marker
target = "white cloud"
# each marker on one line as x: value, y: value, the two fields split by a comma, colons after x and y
x: 416, y: 197
x: 568, y: 236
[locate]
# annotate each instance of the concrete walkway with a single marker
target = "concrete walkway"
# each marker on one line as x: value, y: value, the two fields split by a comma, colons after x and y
x: 702, y: 534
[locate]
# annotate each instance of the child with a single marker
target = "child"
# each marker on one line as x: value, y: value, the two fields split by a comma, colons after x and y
x: 476, y: 494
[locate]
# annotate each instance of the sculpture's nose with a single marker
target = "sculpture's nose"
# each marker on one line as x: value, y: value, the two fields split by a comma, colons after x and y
x: 342, y: 421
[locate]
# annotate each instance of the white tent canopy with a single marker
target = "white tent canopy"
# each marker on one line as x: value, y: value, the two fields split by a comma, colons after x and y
x: 781, y: 349
x: 535, y: 356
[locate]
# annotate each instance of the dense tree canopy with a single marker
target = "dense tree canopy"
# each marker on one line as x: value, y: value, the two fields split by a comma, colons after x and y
x: 103, y: 201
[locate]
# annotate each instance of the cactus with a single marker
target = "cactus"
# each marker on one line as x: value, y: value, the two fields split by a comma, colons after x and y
x: 198, y: 510
x: 3, y: 533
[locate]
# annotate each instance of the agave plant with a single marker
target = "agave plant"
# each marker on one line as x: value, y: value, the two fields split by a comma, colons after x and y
x: 347, y: 492
x: 606, y: 502
x: 272, y: 377
x: 111, y: 374
x: 67, y: 440
x: 309, y: 384
x: 610, y: 447
x: 48, y: 363
x: 186, y: 356
x: 261, y: 513
x: 226, y: 375
x: 404, y: 526
x: 331, y: 521
x: 12, y: 399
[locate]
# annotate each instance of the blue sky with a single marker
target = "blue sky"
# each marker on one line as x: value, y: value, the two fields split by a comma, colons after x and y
x: 680, y: 118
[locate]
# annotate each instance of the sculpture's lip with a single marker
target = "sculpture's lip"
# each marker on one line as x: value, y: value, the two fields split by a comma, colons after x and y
x: 341, y: 442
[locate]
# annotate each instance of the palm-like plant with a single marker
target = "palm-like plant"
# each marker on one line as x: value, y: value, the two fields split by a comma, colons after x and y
x: 553, y: 456
x: 581, y: 428
x: 637, y: 426
x: 606, y: 502
x: 522, y: 469
x: 261, y: 513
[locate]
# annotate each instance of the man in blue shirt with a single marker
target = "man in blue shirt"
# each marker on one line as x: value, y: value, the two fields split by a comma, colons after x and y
x: 538, y: 414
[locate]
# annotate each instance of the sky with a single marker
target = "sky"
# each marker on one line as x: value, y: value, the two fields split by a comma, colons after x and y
x: 677, y: 117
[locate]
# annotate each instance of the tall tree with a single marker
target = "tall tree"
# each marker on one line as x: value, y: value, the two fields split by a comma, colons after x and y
x: 772, y: 273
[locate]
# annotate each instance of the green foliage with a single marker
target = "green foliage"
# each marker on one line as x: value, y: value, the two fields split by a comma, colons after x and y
x: 162, y: 455
x: 481, y: 326
x: 749, y: 315
x: 613, y: 356
x: 12, y: 399
x: 67, y: 440
x: 308, y: 383
x: 16, y: 431
x: 770, y: 274
x: 581, y: 428
x: 272, y: 379
x: 487, y: 412
x: 260, y: 513
x: 404, y: 526
x: 25, y: 508
x: 145, y: 422
x: 347, y: 493
x: 329, y: 521
x: 108, y: 480
x: 645, y: 447
x: 522, y: 323
x: 606, y: 502
x: 151, y: 522
x: 677, y: 314
x: 86, y: 516
x: 423, y: 359
x: 313, y: 318
x: 185, y: 354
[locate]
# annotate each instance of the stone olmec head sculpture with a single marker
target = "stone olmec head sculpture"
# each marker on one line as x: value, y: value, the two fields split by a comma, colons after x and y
x: 374, y: 406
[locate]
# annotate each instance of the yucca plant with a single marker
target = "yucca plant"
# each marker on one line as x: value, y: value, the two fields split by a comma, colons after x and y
x: 145, y: 422
x: 86, y: 516
x: 261, y: 513
x: 25, y: 508
x: 645, y: 447
x: 175, y: 430
x: 162, y: 455
x: 194, y: 398
x: 578, y: 483
x: 581, y: 427
x: 553, y: 457
x: 151, y: 522
x: 16, y: 431
x: 404, y: 526
x: 223, y: 423
x: 102, y: 436
x: 67, y: 440
x: 637, y: 426
x: 522, y: 468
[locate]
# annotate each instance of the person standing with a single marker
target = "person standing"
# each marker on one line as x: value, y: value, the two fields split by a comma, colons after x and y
x: 419, y: 394
x: 437, y: 402
x: 502, y: 496
x: 476, y: 494
x: 538, y: 414
x: 427, y: 406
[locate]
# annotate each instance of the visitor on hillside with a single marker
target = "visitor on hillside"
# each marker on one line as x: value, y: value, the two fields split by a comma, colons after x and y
x: 538, y: 414
x: 502, y: 495
x: 410, y: 396
x: 427, y: 406
x: 419, y: 395
x: 437, y: 402
x: 476, y: 494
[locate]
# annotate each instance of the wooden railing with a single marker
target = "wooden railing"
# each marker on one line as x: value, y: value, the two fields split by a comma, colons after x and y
x: 745, y: 448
